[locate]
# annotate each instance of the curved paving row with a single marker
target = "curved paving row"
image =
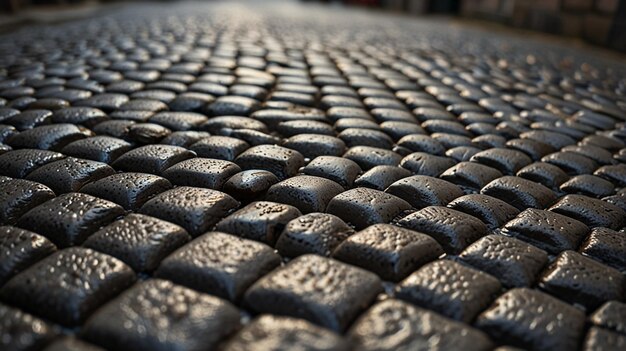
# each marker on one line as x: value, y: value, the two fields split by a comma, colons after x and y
x: 276, y: 177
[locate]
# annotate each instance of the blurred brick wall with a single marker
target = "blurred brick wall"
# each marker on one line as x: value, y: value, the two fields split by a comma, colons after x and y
x: 601, y: 22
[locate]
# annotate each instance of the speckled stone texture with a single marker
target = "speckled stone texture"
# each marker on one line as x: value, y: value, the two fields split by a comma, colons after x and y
x: 284, y: 175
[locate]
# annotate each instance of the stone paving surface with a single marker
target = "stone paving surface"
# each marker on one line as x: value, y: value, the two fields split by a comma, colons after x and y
x: 278, y: 176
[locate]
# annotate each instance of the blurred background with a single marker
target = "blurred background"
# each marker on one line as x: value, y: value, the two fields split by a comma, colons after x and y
x: 600, y: 22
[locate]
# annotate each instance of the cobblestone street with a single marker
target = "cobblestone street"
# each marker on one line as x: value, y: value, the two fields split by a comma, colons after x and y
x: 291, y: 176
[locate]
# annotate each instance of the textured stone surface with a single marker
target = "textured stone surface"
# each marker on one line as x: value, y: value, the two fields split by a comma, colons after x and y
x: 195, y: 209
x: 100, y: 148
x: 154, y: 159
x: 307, y: 193
x: 249, y: 185
x: 547, y: 230
x: 46, y: 137
x: 520, y: 192
x: 602, y: 339
x: 609, y: 316
x: 281, y: 161
x: 70, y: 174
x: 262, y: 221
x: 316, y: 289
x: 19, y: 249
x: 67, y: 286
x: 425, y: 330
x: 337, y: 169
x: 514, y: 262
x: 306, y: 163
x: 592, y: 212
x: 135, y: 319
x: 454, y: 230
x: 283, y: 333
x: 129, y: 189
x: 201, y: 172
x: 581, y: 280
x: 139, y: 241
x: 18, y: 196
x: 316, y: 233
x: 449, y: 288
x: 67, y: 220
x: 607, y: 246
x: 362, y: 207
x: 23, y: 332
x: 380, y: 177
x: 219, y: 264
x: 523, y: 318
x: 389, y: 251
x: 493, y: 212
x: 219, y: 147
x: 470, y: 174
x: 19, y: 163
